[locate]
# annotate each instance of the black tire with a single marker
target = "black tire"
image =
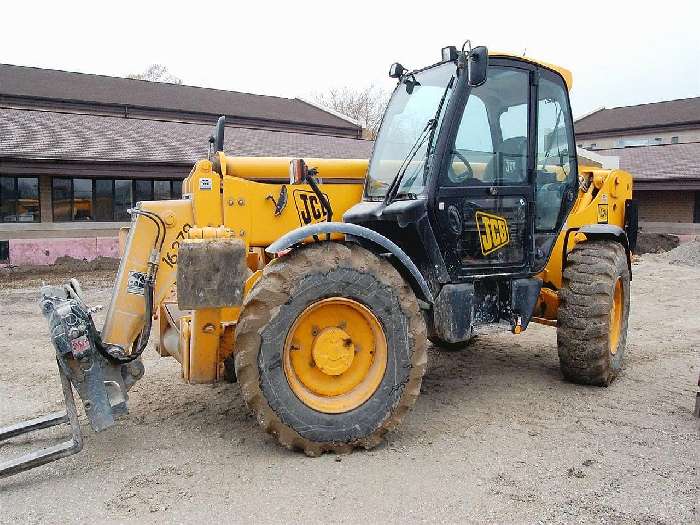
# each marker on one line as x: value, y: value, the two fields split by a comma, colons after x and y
x: 452, y: 347
x: 287, y: 287
x: 586, y: 355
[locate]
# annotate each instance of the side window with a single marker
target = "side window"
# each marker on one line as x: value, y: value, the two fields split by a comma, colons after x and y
x: 474, y: 132
x: 473, y: 147
x: 513, y: 122
x: 555, y: 164
x: 490, y: 147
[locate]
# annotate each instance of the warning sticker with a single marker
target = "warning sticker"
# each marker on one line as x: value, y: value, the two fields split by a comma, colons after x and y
x: 80, y: 345
x: 136, y: 283
x: 602, y: 213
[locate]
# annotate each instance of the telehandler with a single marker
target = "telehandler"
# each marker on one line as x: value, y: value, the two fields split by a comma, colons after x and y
x: 317, y: 283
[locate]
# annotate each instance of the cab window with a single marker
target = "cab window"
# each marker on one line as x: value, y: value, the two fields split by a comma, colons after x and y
x: 555, y: 165
x: 490, y: 146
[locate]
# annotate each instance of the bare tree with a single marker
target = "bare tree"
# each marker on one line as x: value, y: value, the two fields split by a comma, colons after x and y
x: 365, y: 105
x: 156, y: 73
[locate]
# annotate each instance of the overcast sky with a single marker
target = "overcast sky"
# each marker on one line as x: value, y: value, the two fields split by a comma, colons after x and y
x: 620, y: 53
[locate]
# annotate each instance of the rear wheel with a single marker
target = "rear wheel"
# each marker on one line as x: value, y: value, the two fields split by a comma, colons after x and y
x: 593, y: 313
x: 330, y: 348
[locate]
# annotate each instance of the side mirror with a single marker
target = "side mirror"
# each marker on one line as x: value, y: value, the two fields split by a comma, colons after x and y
x: 477, y: 63
x: 298, y: 171
x: 396, y: 70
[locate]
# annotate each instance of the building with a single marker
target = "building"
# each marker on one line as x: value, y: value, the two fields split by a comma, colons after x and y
x: 78, y: 150
x: 659, y: 144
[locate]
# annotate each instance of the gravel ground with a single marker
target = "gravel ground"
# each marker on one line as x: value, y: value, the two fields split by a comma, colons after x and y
x: 497, y: 436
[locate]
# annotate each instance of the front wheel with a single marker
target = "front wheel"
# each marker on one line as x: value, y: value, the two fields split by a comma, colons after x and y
x: 330, y: 348
x: 593, y: 313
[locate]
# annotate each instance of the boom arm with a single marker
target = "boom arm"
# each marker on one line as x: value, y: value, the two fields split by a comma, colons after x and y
x: 125, y: 317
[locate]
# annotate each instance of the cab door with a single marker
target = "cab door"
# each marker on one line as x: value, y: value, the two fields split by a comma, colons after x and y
x: 508, y: 175
x: 485, y: 195
x: 556, y: 165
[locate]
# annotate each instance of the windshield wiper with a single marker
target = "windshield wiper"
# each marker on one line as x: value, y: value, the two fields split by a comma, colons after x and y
x: 396, y: 182
x: 428, y: 132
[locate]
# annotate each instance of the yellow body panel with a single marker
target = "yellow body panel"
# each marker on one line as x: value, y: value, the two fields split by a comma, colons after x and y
x: 602, y: 203
x: 203, y: 360
x: 249, y: 208
x: 277, y: 168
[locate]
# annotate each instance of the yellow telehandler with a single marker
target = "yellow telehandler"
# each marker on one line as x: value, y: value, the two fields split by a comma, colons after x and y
x: 317, y: 283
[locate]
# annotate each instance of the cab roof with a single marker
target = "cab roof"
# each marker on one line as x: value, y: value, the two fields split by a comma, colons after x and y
x: 565, y: 73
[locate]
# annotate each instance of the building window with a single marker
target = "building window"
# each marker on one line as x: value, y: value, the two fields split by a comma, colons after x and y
x: 176, y: 189
x: 626, y: 143
x: 161, y: 190
x: 674, y: 140
x: 122, y: 199
x: 82, y: 200
x: 143, y: 190
x: 62, y: 190
x: 19, y: 199
x: 106, y: 200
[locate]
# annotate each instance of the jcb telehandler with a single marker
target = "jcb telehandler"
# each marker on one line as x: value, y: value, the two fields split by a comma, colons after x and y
x: 317, y: 283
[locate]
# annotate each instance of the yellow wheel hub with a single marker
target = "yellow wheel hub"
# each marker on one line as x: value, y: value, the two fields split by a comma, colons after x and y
x: 335, y: 355
x: 615, y: 317
x: 333, y: 351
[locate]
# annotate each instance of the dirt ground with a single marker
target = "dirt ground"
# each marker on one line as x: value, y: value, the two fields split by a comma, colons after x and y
x: 497, y: 436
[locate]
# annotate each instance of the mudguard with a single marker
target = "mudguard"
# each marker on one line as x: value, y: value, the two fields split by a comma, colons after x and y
x: 371, y: 239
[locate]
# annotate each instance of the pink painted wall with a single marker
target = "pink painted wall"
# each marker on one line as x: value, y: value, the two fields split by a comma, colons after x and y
x: 45, y: 251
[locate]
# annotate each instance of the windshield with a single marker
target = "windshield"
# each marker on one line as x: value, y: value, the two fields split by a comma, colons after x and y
x: 404, y: 122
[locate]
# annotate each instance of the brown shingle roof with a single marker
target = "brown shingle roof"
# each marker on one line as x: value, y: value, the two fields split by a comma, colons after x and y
x: 655, y: 115
x: 48, y: 135
x: 669, y: 162
x: 21, y: 81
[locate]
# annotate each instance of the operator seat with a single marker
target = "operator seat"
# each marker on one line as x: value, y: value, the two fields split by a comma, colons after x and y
x: 509, y: 162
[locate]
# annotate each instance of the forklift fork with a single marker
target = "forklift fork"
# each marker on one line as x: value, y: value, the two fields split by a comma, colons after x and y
x: 48, y: 454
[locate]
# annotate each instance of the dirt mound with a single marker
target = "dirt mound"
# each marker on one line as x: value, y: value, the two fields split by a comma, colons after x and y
x: 100, y: 263
x: 655, y: 242
x: 686, y: 254
x: 63, y: 265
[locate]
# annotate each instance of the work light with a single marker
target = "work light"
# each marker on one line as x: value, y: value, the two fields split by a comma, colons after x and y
x: 449, y: 54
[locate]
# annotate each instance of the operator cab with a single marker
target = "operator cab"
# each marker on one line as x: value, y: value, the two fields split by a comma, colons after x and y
x: 473, y: 173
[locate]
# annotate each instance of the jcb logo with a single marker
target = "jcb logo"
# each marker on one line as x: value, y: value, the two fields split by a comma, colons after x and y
x: 309, y: 207
x: 493, y: 232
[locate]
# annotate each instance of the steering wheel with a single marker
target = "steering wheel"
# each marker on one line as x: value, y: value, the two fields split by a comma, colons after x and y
x: 467, y: 173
